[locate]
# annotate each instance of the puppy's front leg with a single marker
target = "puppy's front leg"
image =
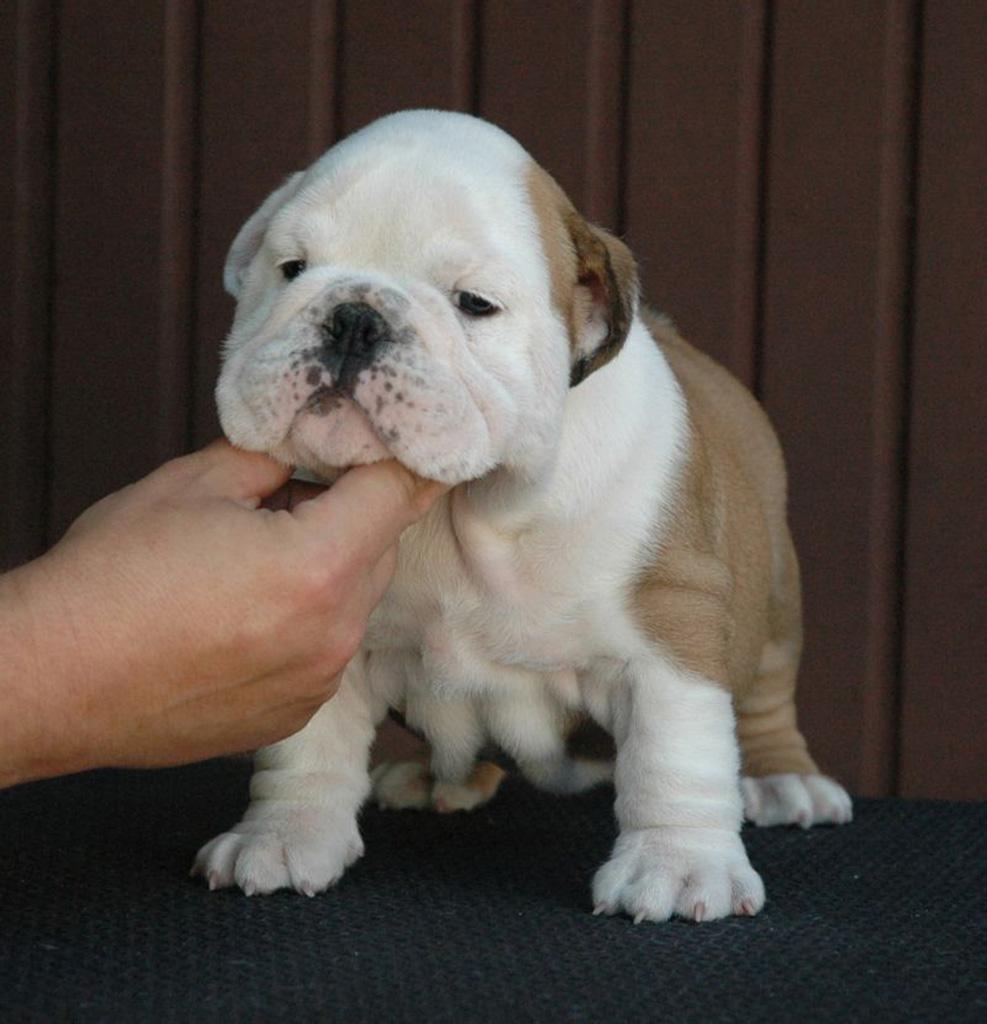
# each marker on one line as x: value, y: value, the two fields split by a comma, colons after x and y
x: 300, y: 830
x: 678, y: 801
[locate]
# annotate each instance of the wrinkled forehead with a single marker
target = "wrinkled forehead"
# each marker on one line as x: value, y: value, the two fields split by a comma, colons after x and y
x: 413, y: 209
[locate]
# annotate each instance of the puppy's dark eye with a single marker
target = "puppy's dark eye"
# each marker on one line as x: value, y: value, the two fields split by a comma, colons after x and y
x: 292, y: 269
x: 475, y: 305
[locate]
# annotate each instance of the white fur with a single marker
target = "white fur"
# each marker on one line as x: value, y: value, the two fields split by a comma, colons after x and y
x: 678, y: 805
x: 509, y: 607
x: 791, y: 799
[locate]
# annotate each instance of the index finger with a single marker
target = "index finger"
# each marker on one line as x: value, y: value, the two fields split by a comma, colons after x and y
x: 368, y: 508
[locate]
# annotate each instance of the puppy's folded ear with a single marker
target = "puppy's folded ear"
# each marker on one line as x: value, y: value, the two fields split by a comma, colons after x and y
x: 605, y: 297
x: 593, y: 276
x: 248, y: 240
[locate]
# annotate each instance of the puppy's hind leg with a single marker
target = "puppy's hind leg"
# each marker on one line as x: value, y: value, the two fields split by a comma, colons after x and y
x: 448, y: 778
x: 781, y: 783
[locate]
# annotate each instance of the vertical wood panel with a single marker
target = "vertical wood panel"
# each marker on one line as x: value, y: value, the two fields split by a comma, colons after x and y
x: 944, y: 705
x: 325, y: 76
x: 551, y: 75
x: 402, y: 55
x: 265, y: 112
x: 26, y: 125
x: 119, y: 384
x: 693, y: 178
x: 833, y: 354
x: 175, y: 267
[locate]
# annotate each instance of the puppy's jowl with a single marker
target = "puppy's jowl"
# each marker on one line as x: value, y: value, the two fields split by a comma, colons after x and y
x: 614, y: 547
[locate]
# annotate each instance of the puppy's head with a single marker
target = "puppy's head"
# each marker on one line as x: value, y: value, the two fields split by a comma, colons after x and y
x: 424, y: 291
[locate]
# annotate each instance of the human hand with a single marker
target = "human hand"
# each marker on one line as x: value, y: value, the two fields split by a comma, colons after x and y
x: 177, y: 620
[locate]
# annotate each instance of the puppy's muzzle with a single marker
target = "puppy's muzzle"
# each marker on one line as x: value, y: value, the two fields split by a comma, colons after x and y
x: 353, y: 335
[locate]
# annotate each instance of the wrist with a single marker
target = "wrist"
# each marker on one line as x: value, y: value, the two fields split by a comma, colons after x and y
x: 39, y: 679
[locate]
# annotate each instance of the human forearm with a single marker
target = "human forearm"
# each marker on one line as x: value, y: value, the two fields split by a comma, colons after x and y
x: 35, y: 727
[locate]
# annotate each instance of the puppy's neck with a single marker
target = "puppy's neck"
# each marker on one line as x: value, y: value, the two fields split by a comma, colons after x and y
x: 612, y: 423
x: 605, y: 494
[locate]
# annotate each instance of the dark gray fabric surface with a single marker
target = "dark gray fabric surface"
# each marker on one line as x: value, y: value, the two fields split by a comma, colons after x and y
x: 479, y: 917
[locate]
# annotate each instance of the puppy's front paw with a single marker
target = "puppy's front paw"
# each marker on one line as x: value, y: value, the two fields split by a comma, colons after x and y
x: 281, y: 847
x: 790, y: 799
x: 697, y: 873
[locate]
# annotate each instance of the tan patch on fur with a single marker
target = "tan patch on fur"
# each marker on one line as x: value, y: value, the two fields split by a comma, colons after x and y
x: 589, y: 268
x: 550, y: 203
x: 722, y: 595
x: 486, y: 778
x: 706, y: 597
x: 769, y: 737
x: 478, y: 789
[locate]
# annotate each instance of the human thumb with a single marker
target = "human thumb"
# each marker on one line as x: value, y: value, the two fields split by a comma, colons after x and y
x: 368, y: 507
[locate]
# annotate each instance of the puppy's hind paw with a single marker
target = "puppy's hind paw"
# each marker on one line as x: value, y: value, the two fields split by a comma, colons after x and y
x: 405, y: 785
x: 401, y: 785
x: 478, y: 789
x: 791, y: 799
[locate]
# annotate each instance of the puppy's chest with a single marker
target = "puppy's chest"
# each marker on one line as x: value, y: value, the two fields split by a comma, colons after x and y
x: 488, y: 629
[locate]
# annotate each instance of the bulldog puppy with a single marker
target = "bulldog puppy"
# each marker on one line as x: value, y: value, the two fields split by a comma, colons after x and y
x: 614, y: 545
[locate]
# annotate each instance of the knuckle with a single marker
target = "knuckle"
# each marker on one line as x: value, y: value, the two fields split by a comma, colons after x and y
x: 323, y: 681
x: 318, y: 580
x: 404, y: 484
x: 177, y: 471
x: 349, y: 638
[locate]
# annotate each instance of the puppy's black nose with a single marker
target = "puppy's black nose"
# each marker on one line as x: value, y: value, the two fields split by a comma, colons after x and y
x: 358, y: 328
x: 352, y: 335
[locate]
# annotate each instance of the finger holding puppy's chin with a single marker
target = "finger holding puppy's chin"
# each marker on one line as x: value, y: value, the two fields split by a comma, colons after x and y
x: 387, y: 480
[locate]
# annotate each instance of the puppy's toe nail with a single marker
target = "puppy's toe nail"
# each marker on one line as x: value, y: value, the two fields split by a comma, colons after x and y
x: 699, y: 911
x: 600, y: 908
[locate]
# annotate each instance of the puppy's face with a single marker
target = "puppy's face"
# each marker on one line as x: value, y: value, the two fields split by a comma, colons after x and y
x: 425, y: 292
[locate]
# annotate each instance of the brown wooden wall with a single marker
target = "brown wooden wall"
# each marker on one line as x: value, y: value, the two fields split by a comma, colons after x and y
x: 804, y: 181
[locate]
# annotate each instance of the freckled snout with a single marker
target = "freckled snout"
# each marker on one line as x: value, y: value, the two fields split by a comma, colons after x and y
x: 353, y: 368
x: 354, y: 335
